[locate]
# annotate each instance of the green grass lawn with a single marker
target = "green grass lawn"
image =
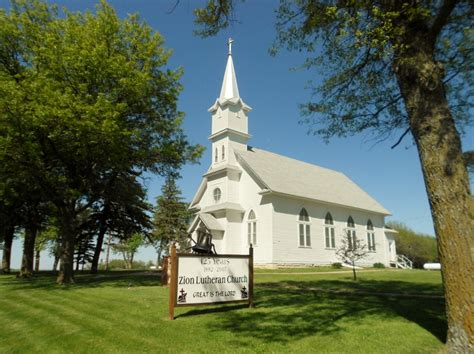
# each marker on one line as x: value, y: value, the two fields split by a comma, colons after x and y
x: 318, y: 269
x: 383, y: 312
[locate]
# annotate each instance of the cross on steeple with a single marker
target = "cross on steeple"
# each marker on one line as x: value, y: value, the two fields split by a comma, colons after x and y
x: 229, y: 43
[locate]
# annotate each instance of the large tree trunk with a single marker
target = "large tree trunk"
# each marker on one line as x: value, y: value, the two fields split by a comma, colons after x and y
x: 27, y: 259
x: 68, y: 240
x: 55, y: 263
x: 7, y: 249
x: 109, y: 240
x: 100, y: 241
x: 158, y: 257
x: 37, y: 260
x: 447, y: 185
x: 354, y: 276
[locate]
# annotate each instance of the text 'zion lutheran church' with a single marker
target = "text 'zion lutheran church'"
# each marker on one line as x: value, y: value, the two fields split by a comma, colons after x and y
x: 292, y: 212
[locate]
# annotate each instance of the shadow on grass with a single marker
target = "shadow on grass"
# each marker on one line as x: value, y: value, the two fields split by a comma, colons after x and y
x: 208, y: 310
x: 292, y: 310
x: 289, y: 310
x: 47, y: 280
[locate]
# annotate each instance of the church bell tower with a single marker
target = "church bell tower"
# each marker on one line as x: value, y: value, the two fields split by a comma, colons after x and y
x: 229, y: 119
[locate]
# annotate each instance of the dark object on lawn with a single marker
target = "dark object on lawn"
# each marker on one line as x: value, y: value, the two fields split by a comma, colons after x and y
x: 379, y: 265
x: 337, y: 265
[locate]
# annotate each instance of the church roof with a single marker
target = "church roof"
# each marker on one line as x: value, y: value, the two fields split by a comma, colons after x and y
x: 284, y: 175
x: 208, y: 220
x: 229, y: 89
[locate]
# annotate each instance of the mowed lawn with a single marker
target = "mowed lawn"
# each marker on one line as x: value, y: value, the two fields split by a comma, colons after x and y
x: 385, y: 311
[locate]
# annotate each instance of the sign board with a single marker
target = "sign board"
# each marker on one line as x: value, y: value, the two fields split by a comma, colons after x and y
x: 210, y: 279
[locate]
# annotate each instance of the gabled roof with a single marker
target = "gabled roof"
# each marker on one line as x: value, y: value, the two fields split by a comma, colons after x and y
x: 223, y: 206
x: 284, y: 175
x: 211, y: 223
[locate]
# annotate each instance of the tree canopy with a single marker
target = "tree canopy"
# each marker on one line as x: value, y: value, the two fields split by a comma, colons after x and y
x: 394, y: 67
x: 171, y: 218
x: 85, y: 98
x: 417, y: 247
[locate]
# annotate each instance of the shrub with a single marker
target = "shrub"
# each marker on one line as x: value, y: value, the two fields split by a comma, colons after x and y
x: 120, y: 264
x: 337, y: 265
x: 379, y: 265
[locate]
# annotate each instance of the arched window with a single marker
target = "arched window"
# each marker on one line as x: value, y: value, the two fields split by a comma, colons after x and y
x: 304, y: 229
x: 223, y: 152
x: 370, y: 236
x: 216, y: 155
x: 350, y: 222
x: 217, y: 194
x: 329, y: 231
x: 252, y: 229
x: 351, y: 233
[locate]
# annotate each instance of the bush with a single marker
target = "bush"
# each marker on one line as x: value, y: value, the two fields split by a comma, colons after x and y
x: 379, y: 265
x: 420, y: 248
x: 120, y: 264
x: 337, y: 265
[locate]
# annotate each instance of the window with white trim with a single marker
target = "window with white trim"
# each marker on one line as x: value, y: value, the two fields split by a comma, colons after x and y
x: 351, y: 232
x: 304, y: 229
x: 370, y: 236
x: 252, y: 229
x: 216, y: 155
x: 217, y: 194
x: 329, y: 231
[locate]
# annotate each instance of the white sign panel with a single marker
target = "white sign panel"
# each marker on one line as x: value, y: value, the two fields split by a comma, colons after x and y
x: 203, y: 279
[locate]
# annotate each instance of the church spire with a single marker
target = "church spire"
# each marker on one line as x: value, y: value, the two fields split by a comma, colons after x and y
x: 229, y: 88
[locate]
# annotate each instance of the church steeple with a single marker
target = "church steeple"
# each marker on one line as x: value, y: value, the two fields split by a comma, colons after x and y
x: 229, y: 89
x: 229, y: 118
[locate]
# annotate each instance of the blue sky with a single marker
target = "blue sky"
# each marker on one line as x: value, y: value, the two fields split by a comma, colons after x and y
x: 274, y: 90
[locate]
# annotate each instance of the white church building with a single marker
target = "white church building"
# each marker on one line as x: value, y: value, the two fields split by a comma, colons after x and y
x: 292, y: 212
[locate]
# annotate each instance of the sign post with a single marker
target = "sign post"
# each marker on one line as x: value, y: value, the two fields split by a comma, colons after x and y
x: 173, y: 286
x: 210, y: 279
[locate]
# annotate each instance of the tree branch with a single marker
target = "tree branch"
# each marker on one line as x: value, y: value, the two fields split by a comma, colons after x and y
x: 442, y: 18
x: 400, y: 139
x: 170, y: 11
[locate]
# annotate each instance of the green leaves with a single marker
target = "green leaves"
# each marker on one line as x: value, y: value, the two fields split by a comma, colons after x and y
x: 171, y: 218
x: 86, y: 99
x: 88, y: 93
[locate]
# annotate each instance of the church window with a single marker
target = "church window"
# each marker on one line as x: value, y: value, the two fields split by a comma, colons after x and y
x: 304, y: 229
x: 329, y: 231
x: 351, y: 233
x: 370, y: 236
x: 252, y: 229
x: 217, y: 194
x: 216, y: 155
x: 223, y: 152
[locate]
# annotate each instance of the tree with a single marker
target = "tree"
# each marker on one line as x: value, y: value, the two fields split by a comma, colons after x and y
x: 8, y: 222
x: 351, y: 250
x: 83, y: 98
x: 124, y: 207
x: 128, y: 247
x: 46, y: 238
x: 171, y: 219
x: 394, y: 66
x: 418, y: 247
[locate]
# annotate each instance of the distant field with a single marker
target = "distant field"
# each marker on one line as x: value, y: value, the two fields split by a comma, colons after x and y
x: 384, y: 312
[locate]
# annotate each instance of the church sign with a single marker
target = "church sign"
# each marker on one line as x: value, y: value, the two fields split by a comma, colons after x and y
x: 210, y: 279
